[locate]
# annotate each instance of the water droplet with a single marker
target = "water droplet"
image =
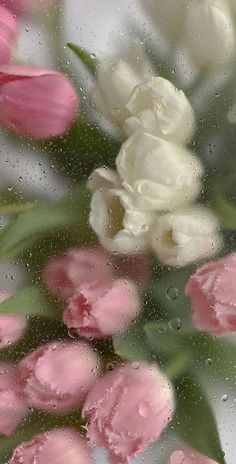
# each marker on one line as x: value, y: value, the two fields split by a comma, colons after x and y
x: 172, y: 293
x: 209, y: 362
x: 175, y: 323
x: 161, y: 329
x: 110, y: 366
x: 20, y: 179
x: 224, y: 398
x: 135, y: 365
x: 145, y: 409
x: 73, y: 333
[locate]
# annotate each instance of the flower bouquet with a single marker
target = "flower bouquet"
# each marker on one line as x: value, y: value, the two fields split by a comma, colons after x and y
x: 120, y: 337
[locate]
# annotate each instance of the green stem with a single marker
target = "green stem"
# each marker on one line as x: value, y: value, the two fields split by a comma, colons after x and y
x: 16, y: 208
x: 179, y: 365
x: 226, y: 213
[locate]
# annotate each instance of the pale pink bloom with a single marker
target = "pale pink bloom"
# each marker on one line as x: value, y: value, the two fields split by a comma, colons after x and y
x: 25, y: 7
x: 57, y: 446
x: 18, y: 7
x: 87, y: 267
x: 12, y: 326
x: 35, y: 102
x: 189, y: 456
x: 13, y: 405
x: 9, y: 32
x: 57, y: 376
x: 127, y: 409
x: 212, y: 291
x: 103, y: 315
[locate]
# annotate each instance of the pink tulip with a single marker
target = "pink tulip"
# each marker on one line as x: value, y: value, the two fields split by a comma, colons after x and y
x: 58, y: 446
x: 25, y: 7
x: 89, y: 268
x: 128, y: 408
x: 103, y: 315
x: 189, y: 456
x: 9, y: 32
x: 12, y: 327
x: 13, y: 405
x: 18, y: 7
x: 57, y: 376
x: 213, y: 295
x: 35, y: 102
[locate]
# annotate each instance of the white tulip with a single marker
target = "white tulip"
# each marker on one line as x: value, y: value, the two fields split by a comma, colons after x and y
x: 184, y: 237
x: 159, y: 175
x: 119, y: 226
x: 209, y: 33
x: 116, y: 79
x: 157, y: 107
x: 168, y: 14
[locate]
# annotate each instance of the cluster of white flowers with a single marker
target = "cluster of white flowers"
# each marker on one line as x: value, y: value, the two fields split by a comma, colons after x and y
x: 147, y: 201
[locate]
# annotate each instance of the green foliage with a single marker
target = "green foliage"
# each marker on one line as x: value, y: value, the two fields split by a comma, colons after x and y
x: 29, y: 301
x: 46, y: 217
x: 168, y: 294
x: 132, y: 345
x: 194, y: 421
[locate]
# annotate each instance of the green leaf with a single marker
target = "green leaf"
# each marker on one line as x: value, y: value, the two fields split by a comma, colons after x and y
x: 161, y: 339
x: 226, y: 213
x: 168, y: 293
x: 30, y: 301
x: 194, y: 421
x: 132, y: 345
x: 42, y: 219
x: 87, y: 59
x: 214, y: 355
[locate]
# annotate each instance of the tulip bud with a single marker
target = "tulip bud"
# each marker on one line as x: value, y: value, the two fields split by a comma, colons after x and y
x: 36, y: 103
x: 160, y: 109
x: 12, y: 326
x: 61, y: 445
x: 120, y: 227
x: 103, y: 315
x: 13, y: 405
x: 128, y: 408
x: 209, y: 33
x: 86, y: 267
x: 189, y: 456
x: 57, y: 376
x: 158, y: 174
x: 116, y: 79
x: 213, y: 296
x: 184, y: 237
x: 9, y: 32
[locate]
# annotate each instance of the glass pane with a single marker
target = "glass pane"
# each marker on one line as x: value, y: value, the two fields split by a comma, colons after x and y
x: 117, y: 240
